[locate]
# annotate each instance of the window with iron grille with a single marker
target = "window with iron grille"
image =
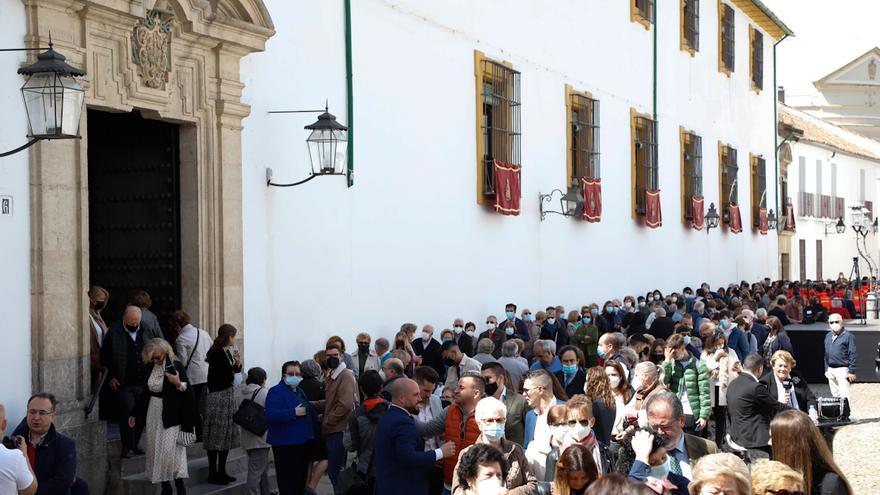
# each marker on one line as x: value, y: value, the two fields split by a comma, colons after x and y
x: 757, y: 59
x: 690, y: 25
x: 642, y: 12
x: 692, y: 171
x: 726, y: 62
x: 499, y: 99
x: 727, y: 173
x: 583, y: 124
x: 645, y: 175
x: 758, y: 185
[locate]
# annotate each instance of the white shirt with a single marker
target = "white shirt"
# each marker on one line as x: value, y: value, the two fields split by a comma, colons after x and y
x: 99, y: 332
x: 197, y: 373
x: 425, y: 416
x: 14, y: 473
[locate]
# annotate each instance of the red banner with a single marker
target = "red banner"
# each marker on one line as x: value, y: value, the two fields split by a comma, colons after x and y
x: 789, y: 218
x: 507, y: 188
x: 653, y: 215
x: 762, y: 221
x: 697, y: 213
x: 592, y: 200
x: 735, y: 220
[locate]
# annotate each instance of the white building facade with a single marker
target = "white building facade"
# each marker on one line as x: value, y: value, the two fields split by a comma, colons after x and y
x: 832, y: 172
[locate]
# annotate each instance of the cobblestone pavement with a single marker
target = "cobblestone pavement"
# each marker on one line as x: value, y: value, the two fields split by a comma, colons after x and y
x: 857, y: 447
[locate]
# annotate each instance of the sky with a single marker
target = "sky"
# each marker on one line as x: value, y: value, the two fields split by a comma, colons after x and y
x: 827, y: 35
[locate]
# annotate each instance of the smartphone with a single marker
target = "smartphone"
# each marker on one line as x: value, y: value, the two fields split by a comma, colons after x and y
x: 169, y: 367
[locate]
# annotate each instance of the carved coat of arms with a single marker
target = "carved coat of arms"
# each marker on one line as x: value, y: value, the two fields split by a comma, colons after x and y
x: 151, y: 48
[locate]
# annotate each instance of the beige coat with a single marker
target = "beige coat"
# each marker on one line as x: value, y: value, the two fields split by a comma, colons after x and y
x: 722, y: 372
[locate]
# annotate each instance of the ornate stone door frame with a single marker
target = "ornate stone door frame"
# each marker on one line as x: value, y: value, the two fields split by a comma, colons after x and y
x: 185, y: 71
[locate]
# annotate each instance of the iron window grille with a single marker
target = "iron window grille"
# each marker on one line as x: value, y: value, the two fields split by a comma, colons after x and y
x: 729, y: 185
x: 757, y: 59
x: 501, y: 119
x: 759, y: 188
x: 727, y: 38
x: 645, y: 142
x: 645, y: 9
x: 692, y: 157
x: 584, y: 127
x: 692, y: 24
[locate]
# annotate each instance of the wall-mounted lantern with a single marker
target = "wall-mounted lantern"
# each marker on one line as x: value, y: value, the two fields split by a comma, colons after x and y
x: 571, y: 203
x: 712, y: 218
x: 327, y: 144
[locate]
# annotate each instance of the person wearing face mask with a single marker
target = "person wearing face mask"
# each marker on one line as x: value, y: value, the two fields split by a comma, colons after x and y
x: 572, y: 375
x: 644, y: 458
x: 491, y: 415
x: 98, y: 297
x: 605, y: 321
x: 292, y: 426
x: 580, y: 431
x: 498, y: 386
x: 482, y: 471
x: 736, y: 338
x: 689, y: 380
x: 520, y: 328
x: 457, y: 363
x: 609, y: 349
x: 840, y: 357
x: 340, y: 389
x: 647, y: 382
x: 496, y: 333
x: 121, y: 356
x: 586, y: 338
x: 543, y: 454
x: 621, y: 391
x: 428, y: 348
x: 364, y: 358
x: 446, y: 335
x: 555, y: 328
x: 467, y: 341
x: 724, y: 367
x: 575, y: 471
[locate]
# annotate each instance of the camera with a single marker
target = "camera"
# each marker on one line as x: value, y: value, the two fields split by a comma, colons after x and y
x: 11, y: 443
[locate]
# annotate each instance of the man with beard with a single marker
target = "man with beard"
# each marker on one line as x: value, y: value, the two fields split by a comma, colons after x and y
x: 402, y: 465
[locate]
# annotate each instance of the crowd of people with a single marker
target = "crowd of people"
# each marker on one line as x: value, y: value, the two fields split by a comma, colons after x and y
x: 690, y: 392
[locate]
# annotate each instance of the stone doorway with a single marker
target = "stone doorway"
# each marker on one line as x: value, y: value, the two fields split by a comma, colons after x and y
x: 134, y: 210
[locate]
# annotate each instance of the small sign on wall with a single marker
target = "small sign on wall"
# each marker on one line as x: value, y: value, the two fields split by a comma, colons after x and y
x: 5, y: 206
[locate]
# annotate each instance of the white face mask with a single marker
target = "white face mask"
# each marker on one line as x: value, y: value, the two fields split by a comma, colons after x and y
x: 490, y: 326
x: 426, y: 337
x: 579, y: 432
x: 835, y: 327
x: 551, y: 320
x: 457, y: 329
x: 490, y: 486
x: 627, y: 304
x: 637, y: 382
x: 559, y: 432
x: 470, y: 333
x: 614, y: 381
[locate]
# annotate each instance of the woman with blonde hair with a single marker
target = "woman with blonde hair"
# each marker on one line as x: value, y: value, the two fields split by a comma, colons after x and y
x: 798, y: 443
x: 787, y: 384
x: 167, y: 408
x: 403, y: 343
x: 775, y: 478
x: 598, y: 389
x: 720, y: 473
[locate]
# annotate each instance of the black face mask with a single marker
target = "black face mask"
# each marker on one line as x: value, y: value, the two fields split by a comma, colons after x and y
x: 491, y: 388
x: 399, y: 344
x: 445, y: 403
x: 657, y: 358
x: 332, y: 362
x: 99, y: 305
x: 365, y: 347
x: 579, y: 492
x: 132, y: 329
x: 448, y: 362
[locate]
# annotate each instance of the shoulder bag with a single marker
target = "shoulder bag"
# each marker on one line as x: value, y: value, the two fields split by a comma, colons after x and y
x: 251, y: 416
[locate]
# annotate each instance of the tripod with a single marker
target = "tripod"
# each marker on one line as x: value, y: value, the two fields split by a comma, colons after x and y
x: 857, y: 289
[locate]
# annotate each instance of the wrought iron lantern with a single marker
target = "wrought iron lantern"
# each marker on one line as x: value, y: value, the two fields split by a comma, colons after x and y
x: 53, y: 99
x: 772, y: 221
x: 839, y: 226
x: 874, y: 226
x: 571, y: 203
x: 861, y: 222
x: 712, y: 218
x: 327, y: 144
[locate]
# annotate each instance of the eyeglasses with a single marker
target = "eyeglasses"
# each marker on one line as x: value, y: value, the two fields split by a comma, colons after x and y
x: 494, y: 421
x: 786, y: 492
x: 582, y: 422
x: 528, y: 390
x: 40, y: 413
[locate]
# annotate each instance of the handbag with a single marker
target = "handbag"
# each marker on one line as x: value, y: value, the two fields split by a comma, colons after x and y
x: 186, y: 438
x: 251, y: 416
x: 352, y: 482
x: 833, y: 408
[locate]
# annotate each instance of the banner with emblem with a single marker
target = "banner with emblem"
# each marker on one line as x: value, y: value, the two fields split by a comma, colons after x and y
x: 697, y: 213
x: 592, y: 200
x: 653, y: 215
x: 762, y: 221
x: 734, y: 221
x: 507, y: 188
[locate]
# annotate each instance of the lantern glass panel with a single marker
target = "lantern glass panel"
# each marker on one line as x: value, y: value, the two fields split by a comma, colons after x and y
x: 327, y: 151
x: 53, y: 104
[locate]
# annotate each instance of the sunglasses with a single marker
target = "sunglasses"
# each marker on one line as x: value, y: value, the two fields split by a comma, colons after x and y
x: 583, y: 422
x: 786, y: 492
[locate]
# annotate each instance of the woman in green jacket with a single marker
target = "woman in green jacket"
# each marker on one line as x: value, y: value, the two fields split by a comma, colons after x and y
x: 688, y: 378
x: 586, y: 337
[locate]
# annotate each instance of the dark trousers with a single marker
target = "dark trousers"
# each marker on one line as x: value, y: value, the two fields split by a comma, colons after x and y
x: 435, y: 486
x: 200, y: 392
x: 127, y: 397
x: 720, y: 413
x: 336, y: 456
x: 292, y: 468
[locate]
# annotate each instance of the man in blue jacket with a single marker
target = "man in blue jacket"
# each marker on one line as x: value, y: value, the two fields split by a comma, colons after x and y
x: 402, y: 465
x: 840, y: 357
x: 51, y: 454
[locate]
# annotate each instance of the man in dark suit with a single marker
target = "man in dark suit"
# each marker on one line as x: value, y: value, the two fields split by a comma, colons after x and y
x: 555, y: 329
x: 497, y: 379
x: 428, y: 348
x: 495, y: 334
x: 750, y: 407
x: 662, y: 326
x: 779, y: 311
x: 522, y: 330
x: 572, y: 376
x: 666, y: 417
x: 402, y: 465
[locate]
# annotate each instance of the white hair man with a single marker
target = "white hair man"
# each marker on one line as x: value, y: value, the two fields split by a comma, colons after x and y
x: 545, y: 356
x: 840, y: 357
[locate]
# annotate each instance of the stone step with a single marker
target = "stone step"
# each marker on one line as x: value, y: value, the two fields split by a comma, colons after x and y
x: 237, y: 488
x: 236, y: 465
x: 137, y: 463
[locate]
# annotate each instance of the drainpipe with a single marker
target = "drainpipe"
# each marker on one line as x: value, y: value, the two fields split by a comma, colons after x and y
x: 655, y: 75
x: 779, y: 213
x: 350, y: 94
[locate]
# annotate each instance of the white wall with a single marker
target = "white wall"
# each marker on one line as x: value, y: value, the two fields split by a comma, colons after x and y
x: 15, y: 229
x: 838, y: 250
x: 408, y: 242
